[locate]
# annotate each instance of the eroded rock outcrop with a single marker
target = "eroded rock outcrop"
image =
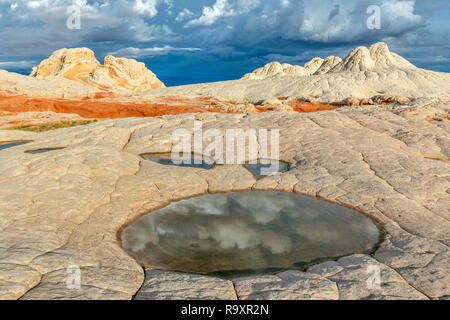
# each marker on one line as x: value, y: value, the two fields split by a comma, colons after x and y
x: 376, y: 56
x: 75, y: 74
x: 276, y: 68
x: 361, y: 58
x: 313, y: 65
x: 378, y: 99
x: 328, y: 64
x: 381, y: 160
x: 80, y: 64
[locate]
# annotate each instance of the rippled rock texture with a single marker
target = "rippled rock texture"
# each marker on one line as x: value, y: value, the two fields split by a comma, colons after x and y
x: 65, y: 208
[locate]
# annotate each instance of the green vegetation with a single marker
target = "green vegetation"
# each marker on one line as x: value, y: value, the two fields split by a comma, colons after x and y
x: 53, y: 126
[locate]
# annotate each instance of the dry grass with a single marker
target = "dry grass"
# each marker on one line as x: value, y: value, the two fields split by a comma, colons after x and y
x: 53, y: 126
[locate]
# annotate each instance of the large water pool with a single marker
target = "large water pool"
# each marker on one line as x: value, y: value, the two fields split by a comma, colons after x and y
x: 247, y: 233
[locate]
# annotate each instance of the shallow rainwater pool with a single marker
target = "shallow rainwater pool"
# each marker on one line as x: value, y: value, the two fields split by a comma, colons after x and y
x: 10, y: 144
x: 260, y: 169
x: 44, y: 150
x: 195, y: 161
x: 247, y: 233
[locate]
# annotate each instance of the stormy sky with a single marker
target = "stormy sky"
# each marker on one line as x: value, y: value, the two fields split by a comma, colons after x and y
x: 211, y: 40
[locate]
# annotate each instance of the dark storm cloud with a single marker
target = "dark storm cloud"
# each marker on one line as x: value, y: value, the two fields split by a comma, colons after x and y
x: 249, y: 31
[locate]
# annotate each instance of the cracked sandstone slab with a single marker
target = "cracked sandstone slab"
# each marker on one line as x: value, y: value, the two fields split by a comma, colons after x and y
x: 165, y: 285
x: 66, y: 207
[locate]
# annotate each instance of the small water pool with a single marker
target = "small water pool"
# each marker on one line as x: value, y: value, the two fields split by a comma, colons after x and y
x: 195, y: 161
x: 263, y: 169
x: 10, y: 144
x: 44, y: 150
x: 247, y: 233
x: 260, y: 169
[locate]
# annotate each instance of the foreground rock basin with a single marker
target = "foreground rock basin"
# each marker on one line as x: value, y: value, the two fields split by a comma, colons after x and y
x: 247, y: 233
x: 66, y: 207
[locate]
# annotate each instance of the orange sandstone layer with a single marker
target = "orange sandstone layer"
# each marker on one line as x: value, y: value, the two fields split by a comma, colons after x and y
x: 102, y: 108
x: 306, y: 106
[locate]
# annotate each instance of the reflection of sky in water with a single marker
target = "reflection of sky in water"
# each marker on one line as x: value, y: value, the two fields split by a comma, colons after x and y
x: 6, y: 145
x: 39, y: 151
x: 247, y: 231
x: 168, y: 160
x: 261, y: 170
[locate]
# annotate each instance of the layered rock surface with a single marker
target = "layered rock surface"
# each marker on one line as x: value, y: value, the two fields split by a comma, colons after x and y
x: 376, y: 56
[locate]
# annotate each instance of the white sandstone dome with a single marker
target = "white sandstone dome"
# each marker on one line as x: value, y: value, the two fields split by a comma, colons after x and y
x: 80, y: 64
x: 359, y: 59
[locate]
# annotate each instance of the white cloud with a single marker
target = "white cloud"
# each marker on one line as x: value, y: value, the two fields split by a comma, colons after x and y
x: 183, y: 15
x: 132, y: 52
x: 35, y: 4
x: 23, y: 64
x: 225, y: 8
x: 253, y: 21
x: 400, y: 9
x: 38, y: 27
x: 441, y: 59
x: 210, y: 14
x: 146, y: 7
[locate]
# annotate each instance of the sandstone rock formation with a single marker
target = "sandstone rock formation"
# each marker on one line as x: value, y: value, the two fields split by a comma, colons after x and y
x: 363, y: 74
x: 378, y: 99
x: 80, y: 64
x: 312, y: 65
x: 385, y: 161
x: 376, y: 56
x: 295, y: 70
x: 75, y: 74
x: 13, y: 84
x: 328, y: 64
x: 358, y: 60
x: 13, y: 120
x: 163, y: 285
x: 276, y: 68
x: 67, y: 63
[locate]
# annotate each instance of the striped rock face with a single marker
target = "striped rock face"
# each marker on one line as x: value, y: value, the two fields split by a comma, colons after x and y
x: 80, y: 65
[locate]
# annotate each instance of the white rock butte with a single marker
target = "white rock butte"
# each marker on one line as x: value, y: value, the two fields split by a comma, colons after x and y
x: 80, y: 64
x: 375, y: 57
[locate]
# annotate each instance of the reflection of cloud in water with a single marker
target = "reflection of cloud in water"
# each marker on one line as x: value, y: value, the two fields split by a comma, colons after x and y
x: 206, y: 205
x: 231, y: 236
x: 264, y: 209
x: 259, y: 226
x: 228, y: 232
x: 141, y: 235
